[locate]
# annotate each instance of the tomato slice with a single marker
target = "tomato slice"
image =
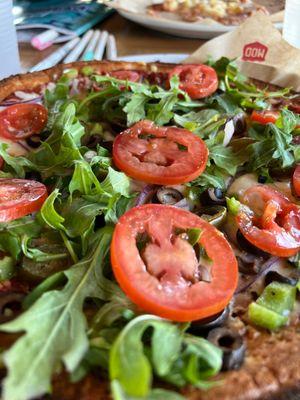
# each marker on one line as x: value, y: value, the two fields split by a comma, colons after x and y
x: 1, y: 162
x: 163, y: 277
x: 270, y: 221
x: 296, y: 180
x: 22, y: 120
x: 19, y: 197
x: 197, y: 80
x: 265, y: 117
x: 160, y: 155
x: 125, y: 75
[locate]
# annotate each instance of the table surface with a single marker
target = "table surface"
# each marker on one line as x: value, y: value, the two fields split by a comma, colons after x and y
x: 131, y: 39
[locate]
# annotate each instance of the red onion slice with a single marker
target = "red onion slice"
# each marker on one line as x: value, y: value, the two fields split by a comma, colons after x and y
x: 146, y: 195
x: 263, y: 271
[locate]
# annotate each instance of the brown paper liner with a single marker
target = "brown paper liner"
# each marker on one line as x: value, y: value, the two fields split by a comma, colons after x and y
x: 260, y: 51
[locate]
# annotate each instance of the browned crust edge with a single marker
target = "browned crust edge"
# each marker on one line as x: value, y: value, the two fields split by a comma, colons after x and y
x: 272, y: 367
x: 30, y: 81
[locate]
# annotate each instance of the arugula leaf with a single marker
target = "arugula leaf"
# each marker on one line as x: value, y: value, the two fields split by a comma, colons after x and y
x: 7, y: 268
x: 17, y: 164
x: 38, y: 255
x: 11, y: 234
x: 238, y: 89
x: 198, y: 361
x: 213, y: 176
x: 155, y: 394
x: 55, y: 328
x: 137, y: 101
x: 49, y: 214
x: 273, y: 146
x: 84, y: 180
x: 226, y: 158
x: 174, y: 356
x: 116, y: 182
x: 57, y: 154
x: 128, y: 363
x: 135, y: 108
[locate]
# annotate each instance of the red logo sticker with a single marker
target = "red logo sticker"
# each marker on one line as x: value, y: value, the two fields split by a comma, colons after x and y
x: 254, y: 52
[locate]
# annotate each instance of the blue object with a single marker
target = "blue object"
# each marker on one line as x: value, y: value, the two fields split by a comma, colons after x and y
x: 72, y: 15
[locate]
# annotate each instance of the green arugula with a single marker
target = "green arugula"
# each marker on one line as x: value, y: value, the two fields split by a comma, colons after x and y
x: 173, y: 355
x: 55, y: 327
x: 273, y: 144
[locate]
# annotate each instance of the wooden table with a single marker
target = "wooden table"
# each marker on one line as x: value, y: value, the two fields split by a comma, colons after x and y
x: 131, y: 39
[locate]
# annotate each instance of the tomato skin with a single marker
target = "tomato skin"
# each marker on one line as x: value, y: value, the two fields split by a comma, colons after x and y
x: 126, y: 75
x: 296, y: 180
x: 20, y: 121
x: 158, y: 159
x: 272, y: 223
x: 265, y: 117
x: 20, y: 197
x: 164, y: 286
x: 197, y: 80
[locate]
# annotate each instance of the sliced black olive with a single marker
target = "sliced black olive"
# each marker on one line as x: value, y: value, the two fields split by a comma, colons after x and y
x: 10, y: 305
x: 213, y: 196
x: 240, y: 125
x: 249, y: 264
x: 272, y: 276
x: 167, y: 195
x: 215, y: 215
x: 247, y: 246
x: 262, y: 179
x: 34, y: 141
x: 205, y: 325
x: 233, y: 347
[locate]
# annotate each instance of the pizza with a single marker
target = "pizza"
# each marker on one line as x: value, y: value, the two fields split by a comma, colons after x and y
x: 149, y: 234
x: 221, y: 11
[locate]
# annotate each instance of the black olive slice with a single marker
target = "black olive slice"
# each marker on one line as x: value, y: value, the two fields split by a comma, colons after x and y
x: 232, y: 344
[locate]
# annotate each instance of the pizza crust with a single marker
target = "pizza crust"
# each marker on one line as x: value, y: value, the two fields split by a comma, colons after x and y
x: 271, y: 370
x: 31, y: 81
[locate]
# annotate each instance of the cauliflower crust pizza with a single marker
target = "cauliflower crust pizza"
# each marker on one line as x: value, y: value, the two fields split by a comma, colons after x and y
x: 149, y: 234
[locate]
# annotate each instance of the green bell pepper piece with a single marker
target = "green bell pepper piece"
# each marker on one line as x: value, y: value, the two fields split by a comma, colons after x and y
x: 265, y: 318
x: 278, y: 297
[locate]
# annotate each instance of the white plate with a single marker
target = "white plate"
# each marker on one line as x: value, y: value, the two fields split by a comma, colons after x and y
x: 175, y: 58
x: 181, y: 28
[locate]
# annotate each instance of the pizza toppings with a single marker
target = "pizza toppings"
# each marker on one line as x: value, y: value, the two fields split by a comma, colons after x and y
x: 225, y: 12
x: 232, y: 344
x: 176, y: 157
x: 20, y: 197
x: 270, y: 221
x: 272, y: 308
x: 160, y: 155
x: 296, y: 181
x: 22, y: 120
x: 125, y: 75
x: 197, y: 80
x: 165, y: 276
x: 265, y: 117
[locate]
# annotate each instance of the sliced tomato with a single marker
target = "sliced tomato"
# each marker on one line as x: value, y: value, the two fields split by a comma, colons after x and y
x: 22, y: 120
x: 1, y: 162
x: 265, y: 117
x: 296, y: 180
x: 270, y: 221
x: 163, y: 277
x: 20, y: 197
x: 125, y: 75
x: 197, y: 80
x: 160, y: 155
